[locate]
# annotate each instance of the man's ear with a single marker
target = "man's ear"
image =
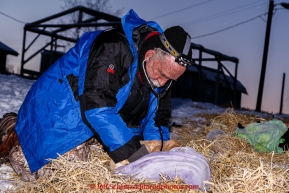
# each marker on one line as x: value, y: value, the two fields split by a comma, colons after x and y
x: 149, y: 54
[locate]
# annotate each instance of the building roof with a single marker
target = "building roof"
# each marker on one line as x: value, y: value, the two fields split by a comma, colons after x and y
x: 7, y: 50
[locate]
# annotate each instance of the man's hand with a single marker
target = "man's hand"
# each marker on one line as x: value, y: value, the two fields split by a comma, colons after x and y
x: 151, y: 146
x: 155, y: 145
x: 138, y: 154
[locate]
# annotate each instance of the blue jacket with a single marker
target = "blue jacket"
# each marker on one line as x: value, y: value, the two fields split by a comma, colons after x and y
x: 52, y: 120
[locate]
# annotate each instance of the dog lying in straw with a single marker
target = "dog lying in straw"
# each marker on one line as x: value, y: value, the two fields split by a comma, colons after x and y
x: 11, y: 151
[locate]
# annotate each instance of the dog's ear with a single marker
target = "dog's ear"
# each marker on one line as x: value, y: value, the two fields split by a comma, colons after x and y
x: 152, y: 145
x: 170, y: 144
x: 155, y: 145
x: 113, y: 166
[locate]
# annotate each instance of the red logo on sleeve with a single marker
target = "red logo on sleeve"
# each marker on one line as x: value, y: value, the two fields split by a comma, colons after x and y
x: 111, y: 69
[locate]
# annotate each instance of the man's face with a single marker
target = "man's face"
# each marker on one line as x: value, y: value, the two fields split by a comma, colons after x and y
x: 161, y: 71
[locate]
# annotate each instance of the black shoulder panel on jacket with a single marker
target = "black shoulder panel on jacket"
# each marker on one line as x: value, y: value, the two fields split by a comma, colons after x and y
x: 107, y: 67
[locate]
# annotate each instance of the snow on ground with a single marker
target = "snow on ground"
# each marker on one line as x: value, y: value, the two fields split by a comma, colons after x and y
x: 6, y: 173
x: 14, y: 89
x: 12, y: 93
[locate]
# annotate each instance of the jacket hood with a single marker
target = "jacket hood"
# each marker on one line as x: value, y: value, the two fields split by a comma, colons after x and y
x: 129, y: 22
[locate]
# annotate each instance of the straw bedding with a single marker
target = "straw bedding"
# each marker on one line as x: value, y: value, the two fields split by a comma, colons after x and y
x: 235, y: 167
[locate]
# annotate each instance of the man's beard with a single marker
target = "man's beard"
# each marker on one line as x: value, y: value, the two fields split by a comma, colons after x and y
x: 155, y: 83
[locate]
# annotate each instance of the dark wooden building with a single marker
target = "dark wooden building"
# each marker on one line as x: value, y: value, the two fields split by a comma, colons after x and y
x: 199, y: 83
x: 206, y: 89
x: 4, y: 51
x: 214, y: 85
x: 59, y: 35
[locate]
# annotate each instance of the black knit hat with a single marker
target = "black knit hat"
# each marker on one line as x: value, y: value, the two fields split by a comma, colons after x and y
x: 175, y: 40
x: 178, y: 43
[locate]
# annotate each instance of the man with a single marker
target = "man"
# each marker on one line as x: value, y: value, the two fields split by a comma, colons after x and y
x: 114, y: 85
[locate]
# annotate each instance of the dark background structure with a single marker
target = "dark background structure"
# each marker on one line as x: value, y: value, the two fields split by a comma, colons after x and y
x: 199, y: 83
x: 218, y: 86
x: 56, y: 33
x: 4, y: 51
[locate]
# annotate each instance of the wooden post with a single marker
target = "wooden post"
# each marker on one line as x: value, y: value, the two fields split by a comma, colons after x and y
x: 282, y: 93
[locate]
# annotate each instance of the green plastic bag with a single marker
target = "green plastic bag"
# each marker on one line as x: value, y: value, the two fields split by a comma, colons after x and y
x: 264, y: 137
